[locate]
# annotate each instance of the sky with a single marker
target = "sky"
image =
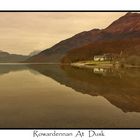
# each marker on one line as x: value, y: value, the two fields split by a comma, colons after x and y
x: 25, y: 32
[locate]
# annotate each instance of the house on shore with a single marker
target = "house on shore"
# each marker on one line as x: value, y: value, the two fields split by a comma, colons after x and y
x: 104, y: 57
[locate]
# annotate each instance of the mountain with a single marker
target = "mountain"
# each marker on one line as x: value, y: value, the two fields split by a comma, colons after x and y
x: 121, y: 35
x: 34, y: 53
x: 127, y: 23
x: 6, y: 57
x: 55, y: 53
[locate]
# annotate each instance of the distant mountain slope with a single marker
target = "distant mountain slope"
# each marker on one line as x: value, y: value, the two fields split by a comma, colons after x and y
x: 121, y: 30
x: 55, y: 53
x: 34, y: 53
x: 6, y: 57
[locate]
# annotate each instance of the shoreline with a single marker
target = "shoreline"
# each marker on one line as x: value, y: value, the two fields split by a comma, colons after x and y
x: 102, y: 65
x: 80, y: 64
x: 19, y: 63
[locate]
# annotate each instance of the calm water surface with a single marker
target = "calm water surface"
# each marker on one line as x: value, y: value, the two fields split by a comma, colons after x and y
x: 53, y: 96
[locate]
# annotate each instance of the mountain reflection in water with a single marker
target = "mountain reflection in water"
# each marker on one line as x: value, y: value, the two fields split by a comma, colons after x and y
x: 120, y: 87
x: 61, y: 96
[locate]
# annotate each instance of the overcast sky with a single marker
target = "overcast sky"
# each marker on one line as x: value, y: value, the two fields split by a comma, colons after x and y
x: 24, y: 32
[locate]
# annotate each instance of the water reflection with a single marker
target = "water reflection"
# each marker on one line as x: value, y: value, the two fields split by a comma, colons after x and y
x: 120, y: 87
x: 7, y: 68
x: 38, y: 96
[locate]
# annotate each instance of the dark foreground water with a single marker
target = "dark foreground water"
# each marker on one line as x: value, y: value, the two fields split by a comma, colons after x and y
x: 53, y: 96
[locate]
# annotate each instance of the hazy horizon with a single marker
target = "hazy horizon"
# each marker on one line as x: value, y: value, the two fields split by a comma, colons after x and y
x: 25, y: 32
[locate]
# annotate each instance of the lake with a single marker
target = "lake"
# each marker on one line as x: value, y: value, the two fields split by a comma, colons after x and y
x: 60, y: 96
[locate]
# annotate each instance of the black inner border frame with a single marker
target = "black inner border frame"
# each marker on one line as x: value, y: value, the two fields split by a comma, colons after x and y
x: 68, y: 12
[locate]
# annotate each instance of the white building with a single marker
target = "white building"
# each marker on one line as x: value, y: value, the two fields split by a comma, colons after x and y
x: 104, y: 57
